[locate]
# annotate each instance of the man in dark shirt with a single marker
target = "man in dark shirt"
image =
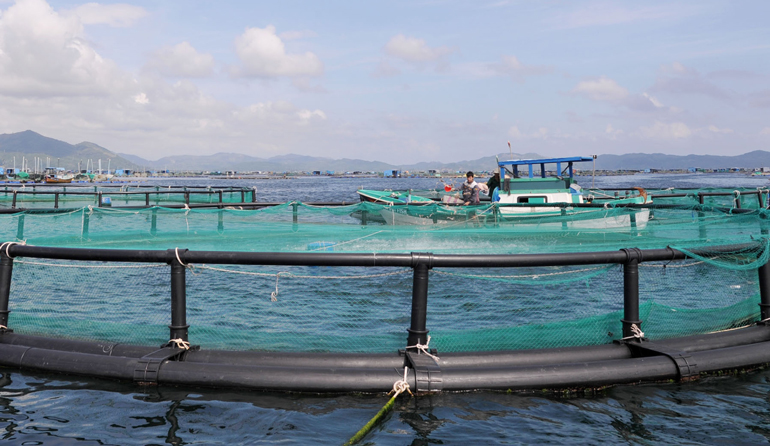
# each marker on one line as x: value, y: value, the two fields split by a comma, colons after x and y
x: 493, y: 182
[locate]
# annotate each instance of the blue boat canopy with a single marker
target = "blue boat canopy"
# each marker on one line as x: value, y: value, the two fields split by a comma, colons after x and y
x: 542, y: 162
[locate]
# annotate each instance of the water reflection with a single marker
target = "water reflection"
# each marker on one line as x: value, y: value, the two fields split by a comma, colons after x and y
x: 39, y: 409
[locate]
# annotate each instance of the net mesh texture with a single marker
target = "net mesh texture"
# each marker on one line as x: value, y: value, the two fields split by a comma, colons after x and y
x: 367, y: 310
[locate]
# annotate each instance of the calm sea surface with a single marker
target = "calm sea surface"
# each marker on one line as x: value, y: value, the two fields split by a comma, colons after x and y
x: 60, y: 410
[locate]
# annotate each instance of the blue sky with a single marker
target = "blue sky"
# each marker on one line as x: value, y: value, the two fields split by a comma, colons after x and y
x: 390, y: 81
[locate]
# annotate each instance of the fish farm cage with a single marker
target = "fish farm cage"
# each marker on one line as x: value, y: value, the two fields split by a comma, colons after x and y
x: 319, y: 298
x: 20, y: 196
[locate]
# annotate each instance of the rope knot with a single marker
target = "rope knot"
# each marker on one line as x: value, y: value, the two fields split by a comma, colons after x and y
x: 423, y: 348
x: 401, y: 386
x: 179, y: 343
x: 636, y: 333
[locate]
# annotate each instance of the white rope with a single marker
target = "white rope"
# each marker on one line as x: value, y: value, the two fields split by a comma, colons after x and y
x: 274, y: 294
x: 3, y: 327
x: 186, y: 221
x: 61, y: 265
x: 7, y: 245
x: 296, y: 276
x: 527, y: 276
x: 178, y: 259
x: 423, y: 348
x: 179, y: 343
x: 401, y: 385
x: 351, y: 241
x: 637, y: 333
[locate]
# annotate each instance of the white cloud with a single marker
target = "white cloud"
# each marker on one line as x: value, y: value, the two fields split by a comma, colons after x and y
x: 601, y: 89
x: 119, y: 15
x: 511, y: 66
x: 415, y: 50
x: 181, y: 60
x: 263, y: 54
x: 611, y: 132
x: 54, y: 82
x: 715, y: 129
x: 679, y: 80
x: 654, y: 101
x: 660, y: 130
x: 514, y: 132
x: 765, y: 131
x: 44, y: 54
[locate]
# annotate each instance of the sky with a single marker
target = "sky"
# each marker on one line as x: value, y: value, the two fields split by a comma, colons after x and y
x: 393, y: 81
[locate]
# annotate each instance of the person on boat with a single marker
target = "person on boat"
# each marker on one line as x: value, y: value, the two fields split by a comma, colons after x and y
x: 493, y: 182
x: 470, y: 190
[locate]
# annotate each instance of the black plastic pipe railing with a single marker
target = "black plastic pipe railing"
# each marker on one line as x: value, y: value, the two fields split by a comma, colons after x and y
x: 98, y: 195
x: 421, y: 263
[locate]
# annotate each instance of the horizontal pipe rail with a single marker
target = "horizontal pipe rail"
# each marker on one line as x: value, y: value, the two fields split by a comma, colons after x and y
x: 358, y: 259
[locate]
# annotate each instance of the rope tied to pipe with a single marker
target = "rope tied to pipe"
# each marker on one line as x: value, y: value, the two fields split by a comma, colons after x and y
x: 423, y: 348
x: 189, y: 266
x: 637, y: 333
x: 179, y: 343
x: 7, y: 245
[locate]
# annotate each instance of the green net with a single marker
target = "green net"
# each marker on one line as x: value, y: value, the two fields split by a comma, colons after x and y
x: 345, y: 309
x: 48, y: 197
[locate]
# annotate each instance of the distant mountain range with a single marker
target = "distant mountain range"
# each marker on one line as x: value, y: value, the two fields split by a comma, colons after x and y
x: 29, y: 144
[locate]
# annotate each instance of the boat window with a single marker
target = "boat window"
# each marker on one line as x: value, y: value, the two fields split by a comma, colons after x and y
x: 533, y: 199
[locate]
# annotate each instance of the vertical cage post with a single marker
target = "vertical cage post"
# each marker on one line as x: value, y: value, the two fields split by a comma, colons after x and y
x: 13, y: 203
x: 631, y: 291
x: 178, y: 327
x: 418, y: 333
x: 764, y: 291
x: 6, y: 270
x: 56, y: 200
x: 294, y: 208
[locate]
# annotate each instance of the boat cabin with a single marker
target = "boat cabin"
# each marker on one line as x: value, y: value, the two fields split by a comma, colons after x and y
x: 521, y: 183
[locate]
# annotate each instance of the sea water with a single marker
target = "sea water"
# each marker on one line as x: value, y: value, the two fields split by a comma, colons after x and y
x: 45, y: 409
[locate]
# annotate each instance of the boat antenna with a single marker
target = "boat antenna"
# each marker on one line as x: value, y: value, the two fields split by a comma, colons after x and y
x: 510, y: 150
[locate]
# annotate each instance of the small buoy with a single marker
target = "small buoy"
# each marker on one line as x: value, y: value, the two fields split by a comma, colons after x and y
x: 448, y: 188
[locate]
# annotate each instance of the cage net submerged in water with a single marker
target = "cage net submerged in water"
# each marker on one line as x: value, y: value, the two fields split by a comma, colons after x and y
x: 346, y: 309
